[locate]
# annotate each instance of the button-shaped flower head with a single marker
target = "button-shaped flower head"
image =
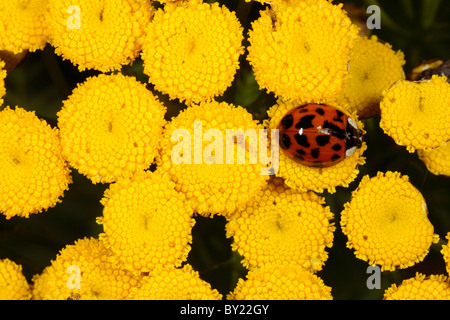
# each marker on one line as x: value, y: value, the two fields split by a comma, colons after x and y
x: 302, y: 52
x: 33, y: 171
x: 386, y: 222
x: 191, y: 50
x: 110, y: 127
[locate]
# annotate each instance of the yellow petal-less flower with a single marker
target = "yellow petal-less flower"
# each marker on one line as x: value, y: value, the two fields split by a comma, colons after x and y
x: 13, y: 284
x: 33, y: 172
x: 146, y: 222
x: 421, y: 287
x: 110, y: 127
x: 22, y: 25
x: 217, y: 181
x: 373, y: 68
x: 386, y: 222
x: 416, y: 114
x: 2, y: 81
x: 86, y: 270
x: 302, y: 52
x: 280, y: 282
x: 101, y: 35
x: 170, y: 283
x: 283, y: 226
x: 304, y: 178
x: 437, y: 160
x: 191, y: 50
x: 446, y: 252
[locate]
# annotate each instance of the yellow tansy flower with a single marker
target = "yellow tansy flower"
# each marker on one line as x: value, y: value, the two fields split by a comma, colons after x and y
x: 191, y: 50
x: 437, y: 160
x: 305, y: 178
x: 386, y: 222
x: 421, y: 287
x: 13, y: 284
x: 110, y: 127
x: 218, y: 180
x: 2, y: 81
x: 86, y: 270
x: 446, y: 252
x: 146, y: 222
x: 283, y: 226
x: 416, y: 114
x: 22, y: 25
x: 101, y: 35
x: 33, y: 172
x: 170, y: 283
x: 373, y: 68
x: 302, y: 52
x: 280, y: 282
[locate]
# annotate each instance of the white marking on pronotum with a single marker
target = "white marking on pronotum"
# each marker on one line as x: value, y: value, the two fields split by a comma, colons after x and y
x: 352, y: 123
x: 350, y: 151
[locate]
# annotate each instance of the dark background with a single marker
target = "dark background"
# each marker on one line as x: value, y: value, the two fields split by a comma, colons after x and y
x: 421, y: 29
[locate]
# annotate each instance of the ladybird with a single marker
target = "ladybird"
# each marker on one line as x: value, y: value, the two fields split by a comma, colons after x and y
x: 318, y: 135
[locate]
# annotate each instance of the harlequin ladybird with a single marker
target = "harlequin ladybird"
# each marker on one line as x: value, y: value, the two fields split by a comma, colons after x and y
x: 318, y: 135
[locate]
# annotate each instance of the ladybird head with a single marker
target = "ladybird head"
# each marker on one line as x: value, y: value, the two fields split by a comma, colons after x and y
x: 354, y: 137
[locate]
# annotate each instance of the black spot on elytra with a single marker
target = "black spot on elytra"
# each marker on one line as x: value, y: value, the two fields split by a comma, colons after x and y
x: 335, y: 157
x: 301, y: 152
x: 315, y: 153
x: 285, y: 141
x: 323, y: 140
x: 336, y: 147
x: 339, y: 116
x: 302, y: 108
x: 305, y: 122
x: 287, y: 121
x: 302, y: 140
x: 335, y: 130
x: 320, y: 111
x: 299, y: 158
x: 317, y: 164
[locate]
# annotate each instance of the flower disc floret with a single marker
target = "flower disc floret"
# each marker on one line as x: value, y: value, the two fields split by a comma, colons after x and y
x: 416, y: 114
x: 33, y: 171
x: 101, y: 35
x: 386, y: 222
x: 304, y: 178
x: 283, y: 226
x: 421, y: 287
x: 436, y: 160
x: 13, y: 284
x: 22, y: 25
x: 170, y: 283
x: 191, y: 50
x: 86, y: 270
x: 281, y: 282
x: 373, y: 68
x: 206, y: 154
x: 302, y: 52
x: 110, y: 127
x: 146, y: 222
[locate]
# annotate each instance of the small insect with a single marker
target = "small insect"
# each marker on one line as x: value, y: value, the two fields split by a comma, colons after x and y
x: 318, y: 135
x: 427, y: 69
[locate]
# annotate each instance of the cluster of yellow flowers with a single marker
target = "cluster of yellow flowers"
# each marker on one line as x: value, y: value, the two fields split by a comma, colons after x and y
x: 112, y: 129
